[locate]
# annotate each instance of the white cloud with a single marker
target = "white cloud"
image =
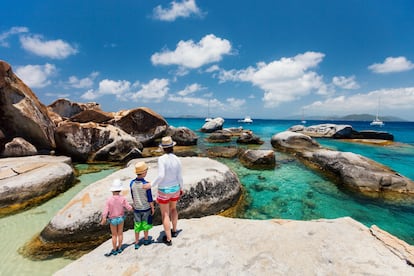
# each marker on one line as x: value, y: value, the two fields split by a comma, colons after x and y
x: 345, y: 83
x: 87, y: 82
x: 282, y: 80
x: 391, y: 101
x: 190, y: 89
x: 156, y: 91
x: 392, y: 65
x: 198, y: 101
x: 194, y: 55
x: 14, y: 30
x: 108, y: 87
x: 90, y: 95
x: 235, y: 103
x: 186, y: 8
x: 36, y: 76
x: 56, y: 49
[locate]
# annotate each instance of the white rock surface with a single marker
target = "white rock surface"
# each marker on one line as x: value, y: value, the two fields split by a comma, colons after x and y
x: 217, y: 245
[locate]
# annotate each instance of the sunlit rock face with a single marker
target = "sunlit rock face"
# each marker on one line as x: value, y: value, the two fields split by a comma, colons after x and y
x: 96, y: 142
x: 22, y: 114
x: 29, y: 181
x: 210, y: 187
x: 142, y: 123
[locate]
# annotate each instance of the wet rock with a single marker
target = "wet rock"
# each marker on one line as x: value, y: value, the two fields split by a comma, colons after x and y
x: 346, y: 168
x: 258, y: 159
x: 225, y: 152
x: 29, y: 181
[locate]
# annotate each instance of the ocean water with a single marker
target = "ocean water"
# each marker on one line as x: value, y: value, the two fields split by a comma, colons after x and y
x: 290, y: 191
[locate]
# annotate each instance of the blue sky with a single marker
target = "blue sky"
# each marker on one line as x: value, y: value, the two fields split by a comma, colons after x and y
x: 267, y: 59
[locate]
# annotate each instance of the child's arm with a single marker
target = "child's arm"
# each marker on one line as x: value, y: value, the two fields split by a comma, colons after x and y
x: 152, y: 208
x: 103, y: 221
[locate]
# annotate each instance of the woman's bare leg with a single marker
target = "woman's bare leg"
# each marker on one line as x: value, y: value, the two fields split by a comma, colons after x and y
x: 165, y: 215
x: 173, y: 215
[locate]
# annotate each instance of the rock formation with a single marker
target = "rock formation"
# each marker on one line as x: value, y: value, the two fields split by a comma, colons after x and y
x: 22, y: 114
x: 345, y: 168
x: 340, y: 132
x: 258, y: 159
x: 27, y: 181
x: 213, y: 125
x: 210, y: 188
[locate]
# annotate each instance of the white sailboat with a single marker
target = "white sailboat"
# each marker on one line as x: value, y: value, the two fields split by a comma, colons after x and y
x: 303, y: 121
x: 208, y: 118
x: 247, y: 120
x: 377, y: 121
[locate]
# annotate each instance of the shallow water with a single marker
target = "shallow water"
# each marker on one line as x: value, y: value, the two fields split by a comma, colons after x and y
x: 16, y: 230
x: 290, y: 191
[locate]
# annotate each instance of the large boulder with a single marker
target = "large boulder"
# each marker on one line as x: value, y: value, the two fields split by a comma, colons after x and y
x: 210, y: 187
x: 217, y: 245
x: 66, y: 108
x: 18, y: 147
x: 21, y: 112
x: 340, y: 132
x: 91, y: 115
x: 143, y: 123
x: 96, y: 142
x: 346, y: 168
x: 183, y: 136
x: 258, y: 159
x: 29, y: 181
x: 213, y: 125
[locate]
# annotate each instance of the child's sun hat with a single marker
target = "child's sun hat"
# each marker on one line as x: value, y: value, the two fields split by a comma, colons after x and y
x: 141, y: 167
x: 116, y: 185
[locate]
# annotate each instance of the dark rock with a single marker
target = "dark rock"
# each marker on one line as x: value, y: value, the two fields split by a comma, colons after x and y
x: 22, y: 114
x: 258, y: 159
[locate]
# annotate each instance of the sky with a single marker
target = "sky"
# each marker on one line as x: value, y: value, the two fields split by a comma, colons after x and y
x: 267, y: 59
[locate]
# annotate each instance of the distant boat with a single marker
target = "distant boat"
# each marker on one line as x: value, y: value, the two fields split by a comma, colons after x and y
x: 247, y: 120
x: 208, y: 119
x: 377, y: 121
x: 303, y: 121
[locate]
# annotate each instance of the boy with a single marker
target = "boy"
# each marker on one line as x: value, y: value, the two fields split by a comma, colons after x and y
x: 142, y: 203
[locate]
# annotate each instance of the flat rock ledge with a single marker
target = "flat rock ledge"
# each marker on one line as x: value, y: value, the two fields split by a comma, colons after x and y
x: 29, y: 181
x: 217, y: 245
x: 210, y: 188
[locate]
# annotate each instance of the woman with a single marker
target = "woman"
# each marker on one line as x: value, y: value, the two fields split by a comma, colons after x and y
x: 170, y: 185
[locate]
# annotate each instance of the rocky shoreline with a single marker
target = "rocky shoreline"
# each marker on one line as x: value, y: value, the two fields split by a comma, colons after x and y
x: 38, y: 144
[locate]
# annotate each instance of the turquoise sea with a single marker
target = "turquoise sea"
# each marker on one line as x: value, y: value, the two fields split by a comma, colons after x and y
x: 290, y: 191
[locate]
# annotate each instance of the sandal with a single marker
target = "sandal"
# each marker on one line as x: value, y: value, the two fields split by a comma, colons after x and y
x: 168, y: 243
x: 147, y: 242
x: 174, y: 234
x: 119, y: 251
x: 137, y: 245
x: 113, y: 252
